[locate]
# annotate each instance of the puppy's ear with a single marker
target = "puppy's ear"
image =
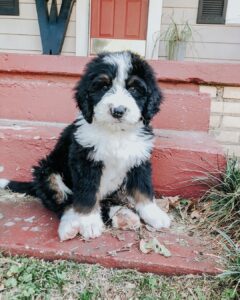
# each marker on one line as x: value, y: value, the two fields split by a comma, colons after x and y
x: 83, y: 100
x: 154, y: 98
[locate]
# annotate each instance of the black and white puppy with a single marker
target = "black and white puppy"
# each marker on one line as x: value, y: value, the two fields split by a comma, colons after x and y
x: 106, y: 149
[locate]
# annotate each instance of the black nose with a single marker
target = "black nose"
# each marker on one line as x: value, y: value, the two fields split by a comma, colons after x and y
x: 118, y: 112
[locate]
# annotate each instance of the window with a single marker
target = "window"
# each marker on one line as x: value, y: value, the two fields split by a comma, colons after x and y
x: 9, y: 7
x: 212, y: 11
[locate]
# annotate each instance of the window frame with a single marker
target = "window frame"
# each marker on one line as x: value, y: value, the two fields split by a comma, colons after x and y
x: 10, y: 11
x: 206, y: 20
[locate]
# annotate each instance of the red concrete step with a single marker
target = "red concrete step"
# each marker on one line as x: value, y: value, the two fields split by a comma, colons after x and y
x: 26, y: 228
x: 50, y: 99
x: 178, y: 157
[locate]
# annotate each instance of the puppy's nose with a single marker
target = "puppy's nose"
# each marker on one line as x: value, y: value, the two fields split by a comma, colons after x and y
x: 118, y: 112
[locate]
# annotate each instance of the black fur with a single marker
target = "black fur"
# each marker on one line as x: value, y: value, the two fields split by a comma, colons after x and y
x: 69, y: 159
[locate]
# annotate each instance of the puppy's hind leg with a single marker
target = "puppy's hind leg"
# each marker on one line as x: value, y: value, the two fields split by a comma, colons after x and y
x: 124, y: 218
x: 51, y: 189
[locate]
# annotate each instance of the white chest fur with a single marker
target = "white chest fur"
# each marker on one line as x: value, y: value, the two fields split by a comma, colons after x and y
x: 118, y: 150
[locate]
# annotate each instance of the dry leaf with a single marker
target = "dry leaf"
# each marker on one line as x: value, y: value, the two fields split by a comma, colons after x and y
x: 163, y: 203
x: 195, y: 215
x: 146, y: 246
x: 126, y: 247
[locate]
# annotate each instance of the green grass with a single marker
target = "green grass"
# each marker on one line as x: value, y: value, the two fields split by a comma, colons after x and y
x: 28, y: 278
x: 224, y: 197
x: 223, y: 216
x: 232, y: 274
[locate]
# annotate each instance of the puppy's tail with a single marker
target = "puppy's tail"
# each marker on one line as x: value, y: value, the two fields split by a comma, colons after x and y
x: 18, y: 187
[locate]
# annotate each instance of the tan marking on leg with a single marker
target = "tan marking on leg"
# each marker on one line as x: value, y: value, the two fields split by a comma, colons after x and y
x: 60, y: 189
x: 140, y: 197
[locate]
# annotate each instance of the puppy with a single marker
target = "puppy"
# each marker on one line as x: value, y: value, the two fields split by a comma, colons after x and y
x: 105, y: 150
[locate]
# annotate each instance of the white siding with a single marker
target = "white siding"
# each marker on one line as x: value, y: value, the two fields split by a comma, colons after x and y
x: 20, y: 34
x: 212, y: 43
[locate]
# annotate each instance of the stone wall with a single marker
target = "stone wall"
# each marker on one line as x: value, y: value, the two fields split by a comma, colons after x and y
x: 225, y: 116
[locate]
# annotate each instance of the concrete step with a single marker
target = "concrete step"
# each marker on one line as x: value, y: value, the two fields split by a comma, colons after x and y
x: 27, y: 228
x: 50, y: 99
x: 178, y: 157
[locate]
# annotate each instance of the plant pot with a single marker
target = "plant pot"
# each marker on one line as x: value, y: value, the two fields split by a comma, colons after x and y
x: 176, y: 50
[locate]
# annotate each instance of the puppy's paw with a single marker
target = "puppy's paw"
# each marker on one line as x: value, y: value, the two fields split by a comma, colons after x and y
x: 153, y: 215
x: 124, y: 218
x: 91, y: 225
x: 69, y: 225
x: 72, y: 223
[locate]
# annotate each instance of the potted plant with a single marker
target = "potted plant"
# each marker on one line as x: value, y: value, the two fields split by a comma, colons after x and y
x: 176, y: 37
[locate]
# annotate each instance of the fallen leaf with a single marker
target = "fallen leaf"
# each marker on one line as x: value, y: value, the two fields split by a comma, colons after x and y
x: 195, y: 215
x: 163, y: 203
x: 146, y: 246
x: 126, y: 247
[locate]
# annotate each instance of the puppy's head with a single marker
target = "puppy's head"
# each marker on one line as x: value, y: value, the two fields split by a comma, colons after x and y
x: 118, y: 89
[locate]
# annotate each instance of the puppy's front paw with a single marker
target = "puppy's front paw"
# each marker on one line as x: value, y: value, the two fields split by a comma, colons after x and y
x: 153, y: 215
x: 124, y: 218
x: 91, y: 225
x: 72, y: 223
x: 69, y: 225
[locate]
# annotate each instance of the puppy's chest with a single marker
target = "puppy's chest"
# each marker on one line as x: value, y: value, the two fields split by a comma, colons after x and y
x: 118, y: 157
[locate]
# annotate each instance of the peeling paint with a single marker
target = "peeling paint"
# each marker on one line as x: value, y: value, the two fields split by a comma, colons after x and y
x: 35, y: 229
x: 25, y: 228
x: 9, y: 224
x: 16, y: 127
x: 30, y: 219
x: 1, y: 168
x: 1, y: 216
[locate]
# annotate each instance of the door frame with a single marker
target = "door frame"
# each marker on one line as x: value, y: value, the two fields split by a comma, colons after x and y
x: 83, y: 10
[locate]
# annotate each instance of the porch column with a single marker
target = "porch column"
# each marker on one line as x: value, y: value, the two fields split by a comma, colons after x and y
x: 82, y: 27
x: 153, y: 28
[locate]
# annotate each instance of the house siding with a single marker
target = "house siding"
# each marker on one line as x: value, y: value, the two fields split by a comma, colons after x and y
x: 211, y: 43
x: 20, y: 34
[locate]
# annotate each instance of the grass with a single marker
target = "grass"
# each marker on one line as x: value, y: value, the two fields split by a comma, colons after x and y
x: 28, y: 278
x: 232, y: 274
x: 222, y: 215
x: 224, y: 198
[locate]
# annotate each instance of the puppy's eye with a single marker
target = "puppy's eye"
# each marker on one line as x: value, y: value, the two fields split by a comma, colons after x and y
x: 132, y: 89
x: 105, y: 88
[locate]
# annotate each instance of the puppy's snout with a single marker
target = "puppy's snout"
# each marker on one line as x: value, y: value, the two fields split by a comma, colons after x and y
x: 118, y: 112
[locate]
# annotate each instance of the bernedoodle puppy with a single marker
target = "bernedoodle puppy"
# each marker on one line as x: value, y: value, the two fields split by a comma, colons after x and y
x: 107, y: 149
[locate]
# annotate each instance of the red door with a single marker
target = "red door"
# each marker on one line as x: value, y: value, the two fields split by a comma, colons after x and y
x: 123, y: 20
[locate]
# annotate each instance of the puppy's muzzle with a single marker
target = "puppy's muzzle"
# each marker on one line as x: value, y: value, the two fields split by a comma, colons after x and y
x: 118, y: 112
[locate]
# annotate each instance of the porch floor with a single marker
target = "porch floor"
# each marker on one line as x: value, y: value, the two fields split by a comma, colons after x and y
x: 27, y: 228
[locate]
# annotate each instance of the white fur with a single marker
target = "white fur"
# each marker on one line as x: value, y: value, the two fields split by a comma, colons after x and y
x: 3, y: 183
x: 62, y: 187
x: 72, y: 223
x: 123, y: 62
x: 118, y: 150
x: 132, y: 219
x: 153, y: 215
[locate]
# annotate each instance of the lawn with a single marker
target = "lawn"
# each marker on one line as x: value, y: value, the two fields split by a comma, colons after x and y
x: 27, y: 278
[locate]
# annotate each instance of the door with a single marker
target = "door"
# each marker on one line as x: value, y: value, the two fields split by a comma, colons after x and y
x: 118, y: 25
